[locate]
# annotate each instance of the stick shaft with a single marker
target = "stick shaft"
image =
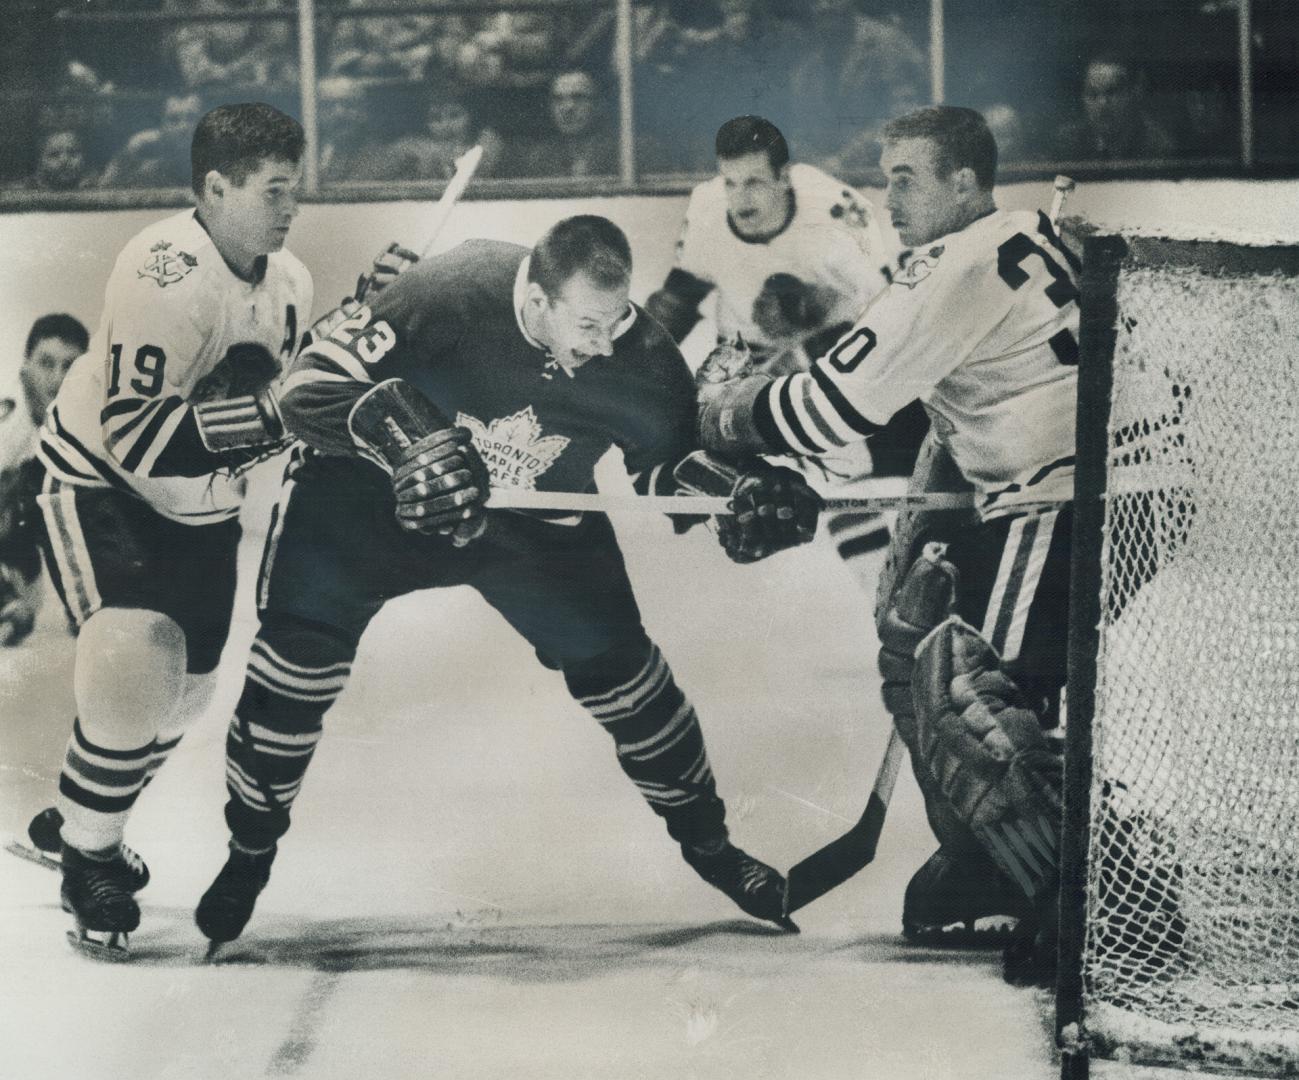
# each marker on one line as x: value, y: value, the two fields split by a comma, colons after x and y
x: 466, y: 166
x: 518, y: 499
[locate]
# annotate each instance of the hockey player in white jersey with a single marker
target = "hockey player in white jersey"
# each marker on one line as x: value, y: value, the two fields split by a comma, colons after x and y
x: 143, y: 455
x: 787, y: 256
x: 53, y: 342
x: 980, y: 325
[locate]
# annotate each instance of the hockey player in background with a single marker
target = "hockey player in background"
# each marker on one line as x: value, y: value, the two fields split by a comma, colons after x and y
x: 790, y: 257
x: 489, y: 367
x: 53, y: 342
x: 142, y: 457
x: 981, y: 325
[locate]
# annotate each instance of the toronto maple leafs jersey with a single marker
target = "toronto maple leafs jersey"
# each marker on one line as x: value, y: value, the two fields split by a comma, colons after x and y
x: 981, y: 325
x: 831, y: 240
x: 452, y: 327
x: 172, y: 309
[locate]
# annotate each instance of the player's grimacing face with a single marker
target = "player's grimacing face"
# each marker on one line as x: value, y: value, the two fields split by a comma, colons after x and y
x: 582, y: 319
x: 922, y: 204
x: 757, y: 196
x: 261, y: 209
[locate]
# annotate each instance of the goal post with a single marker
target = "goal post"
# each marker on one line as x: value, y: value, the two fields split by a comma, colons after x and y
x: 1179, y: 903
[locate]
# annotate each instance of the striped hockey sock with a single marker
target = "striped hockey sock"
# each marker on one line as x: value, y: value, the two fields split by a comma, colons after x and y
x: 271, y: 739
x: 660, y: 745
x: 97, y: 788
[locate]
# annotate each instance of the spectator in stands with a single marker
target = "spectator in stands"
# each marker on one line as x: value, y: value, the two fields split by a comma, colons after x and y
x: 580, y: 142
x: 350, y: 149
x: 1010, y: 131
x: 391, y: 46
x: 510, y: 49
x: 449, y: 130
x: 158, y: 157
x: 60, y: 164
x: 700, y: 62
x: 1117, y: 122
x: 237, y: 54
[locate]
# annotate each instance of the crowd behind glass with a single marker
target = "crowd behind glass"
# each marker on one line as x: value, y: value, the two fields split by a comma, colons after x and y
x: 94, y: 102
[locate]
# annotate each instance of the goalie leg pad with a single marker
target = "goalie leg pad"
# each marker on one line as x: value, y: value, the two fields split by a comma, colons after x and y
x: 914, y: 528
x: 925, y: 596
x: 987, y: 752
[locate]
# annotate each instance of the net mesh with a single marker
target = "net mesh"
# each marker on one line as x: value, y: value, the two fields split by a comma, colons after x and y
x: 1193, y: 879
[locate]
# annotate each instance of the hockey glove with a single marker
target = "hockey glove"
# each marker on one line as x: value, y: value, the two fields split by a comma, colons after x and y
x: 440, y: 482
x: 774, y: 508
x: 728, y: 360
x: 390, y: 262
x: 235, y: 409
x: 788, y: 307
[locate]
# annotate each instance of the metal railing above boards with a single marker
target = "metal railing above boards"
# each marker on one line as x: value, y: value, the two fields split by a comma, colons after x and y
x: 572, y: 97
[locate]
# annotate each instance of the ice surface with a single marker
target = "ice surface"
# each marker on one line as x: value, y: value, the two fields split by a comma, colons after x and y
x: 472, y: 890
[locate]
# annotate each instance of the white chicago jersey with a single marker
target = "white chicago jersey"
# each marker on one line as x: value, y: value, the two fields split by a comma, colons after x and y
x: 172, y: 310
x: 981, y: 325
x: 831, y: 240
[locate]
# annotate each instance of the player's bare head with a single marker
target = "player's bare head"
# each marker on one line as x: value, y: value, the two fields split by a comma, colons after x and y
x: 744, y: 135
x: 53, y: 342
x: 753, y: 161
x: 940, y: 164
x: 246, y: 162
x: 579, y: 277
x: 236, y: 140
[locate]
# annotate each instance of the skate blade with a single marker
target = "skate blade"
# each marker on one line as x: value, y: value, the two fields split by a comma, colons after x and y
x: 113, y: 946
x: 33, y: 855
x: 987, y: 932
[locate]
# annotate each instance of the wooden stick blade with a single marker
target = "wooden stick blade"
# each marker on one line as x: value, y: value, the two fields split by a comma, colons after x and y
x: 840, y: 859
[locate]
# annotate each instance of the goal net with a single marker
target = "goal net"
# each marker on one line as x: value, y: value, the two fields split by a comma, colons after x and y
x: 1181, y: 887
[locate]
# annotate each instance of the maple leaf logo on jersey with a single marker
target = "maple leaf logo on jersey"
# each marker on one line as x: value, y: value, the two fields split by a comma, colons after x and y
x: 165, y: 266
x: 513, y: 447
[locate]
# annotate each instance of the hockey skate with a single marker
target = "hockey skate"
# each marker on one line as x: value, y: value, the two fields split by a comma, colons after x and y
x: 224, y: 910
x: 99, y: 894
x: 755, y: 887
x: 45, y: 847
x: 961, y: 901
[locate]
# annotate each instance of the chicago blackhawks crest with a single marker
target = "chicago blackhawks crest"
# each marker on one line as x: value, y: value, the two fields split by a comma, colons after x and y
x: 916, y: 266
x: 513, y: 447
x: 166, y: 266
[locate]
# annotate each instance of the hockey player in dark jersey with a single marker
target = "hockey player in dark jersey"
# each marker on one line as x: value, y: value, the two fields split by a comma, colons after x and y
x: 485, y: 368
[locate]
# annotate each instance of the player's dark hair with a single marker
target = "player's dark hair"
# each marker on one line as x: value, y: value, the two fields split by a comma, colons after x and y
x: 57, y: 325
x: 588, y: 244
x: 235, y: 140
x: 752, y: 135
x: 961, y: 136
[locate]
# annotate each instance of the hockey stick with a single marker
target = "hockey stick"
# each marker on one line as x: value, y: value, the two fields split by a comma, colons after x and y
x: 466, y: 165
x: 503, y: 498
x: 835, y: 863
x: 832, y: 865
